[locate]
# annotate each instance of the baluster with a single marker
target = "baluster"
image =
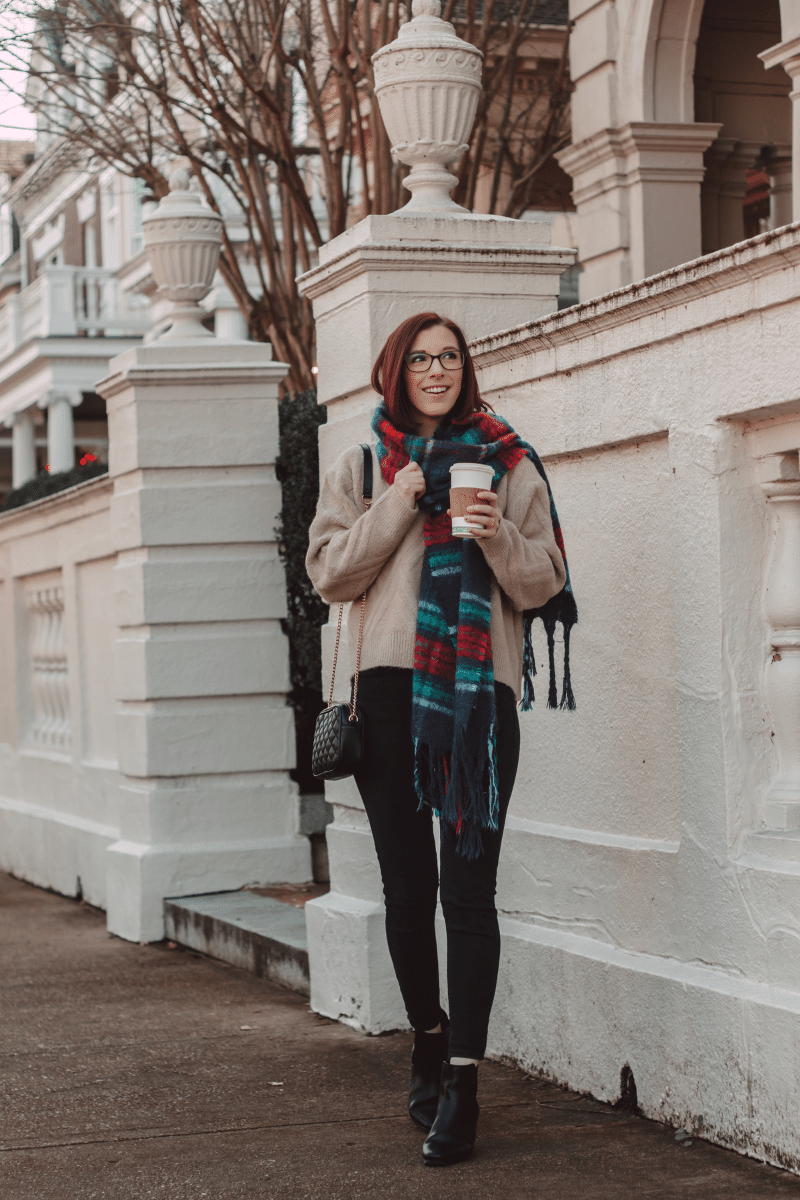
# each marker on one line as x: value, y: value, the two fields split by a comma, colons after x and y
x: 47, y: 673
x: 60, y: 681
x: 38, y: 645
x: 50, y: 726
x: 92, y: 292
x: 782, y: 607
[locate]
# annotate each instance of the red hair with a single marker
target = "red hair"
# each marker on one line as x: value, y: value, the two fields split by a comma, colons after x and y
x: 388, y: 380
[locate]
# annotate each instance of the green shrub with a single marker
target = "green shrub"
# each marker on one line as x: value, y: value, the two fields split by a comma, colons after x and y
x: 46, y: 484
x: 297, y: 469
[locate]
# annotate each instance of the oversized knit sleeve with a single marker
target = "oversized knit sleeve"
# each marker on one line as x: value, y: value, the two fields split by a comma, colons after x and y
x: 523, y: 554
x: 349, y: 546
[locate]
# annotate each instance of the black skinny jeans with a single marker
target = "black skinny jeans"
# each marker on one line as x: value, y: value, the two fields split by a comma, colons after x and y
x: 407, y: 856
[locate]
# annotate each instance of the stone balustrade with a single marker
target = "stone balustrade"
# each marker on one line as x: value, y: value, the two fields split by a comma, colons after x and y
x: 782, y: 609
x: 67, y: 301
x: 59, y: 777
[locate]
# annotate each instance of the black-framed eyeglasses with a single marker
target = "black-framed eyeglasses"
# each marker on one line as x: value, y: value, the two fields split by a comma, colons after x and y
x: 450, y: 360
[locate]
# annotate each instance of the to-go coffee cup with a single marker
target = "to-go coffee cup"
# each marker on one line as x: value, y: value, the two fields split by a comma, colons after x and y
x: 466, y: 480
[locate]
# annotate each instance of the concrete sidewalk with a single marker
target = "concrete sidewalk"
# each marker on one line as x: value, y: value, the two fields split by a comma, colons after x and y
x: 131, y: 1072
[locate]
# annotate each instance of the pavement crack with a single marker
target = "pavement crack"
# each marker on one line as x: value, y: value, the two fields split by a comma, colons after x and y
x: 193, y: 1133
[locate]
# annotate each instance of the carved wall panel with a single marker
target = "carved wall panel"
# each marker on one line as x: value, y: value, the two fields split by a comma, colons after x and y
x: 48, y: 685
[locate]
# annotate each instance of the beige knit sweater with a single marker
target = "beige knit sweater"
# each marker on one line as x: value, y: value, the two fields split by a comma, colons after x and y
x: 381, y: 549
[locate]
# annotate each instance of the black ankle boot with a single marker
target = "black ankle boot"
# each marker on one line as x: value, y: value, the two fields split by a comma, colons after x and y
x: 452, y: 1134
x: 427, y: 1058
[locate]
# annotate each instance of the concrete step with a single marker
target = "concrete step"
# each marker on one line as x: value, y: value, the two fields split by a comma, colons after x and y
x: 259, y: 933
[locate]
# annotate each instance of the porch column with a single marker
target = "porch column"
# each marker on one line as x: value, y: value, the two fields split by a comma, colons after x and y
x: 637, y: 192
x: 780, y: 195
x: 23, y: 447
x: 60, y: 429
x: 787, y: 55
x: 723, y: 192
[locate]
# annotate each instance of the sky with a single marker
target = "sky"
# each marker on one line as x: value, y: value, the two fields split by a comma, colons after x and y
x: 15, y: 121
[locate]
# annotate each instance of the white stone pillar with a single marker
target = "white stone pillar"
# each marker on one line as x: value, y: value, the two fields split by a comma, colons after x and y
x: 206, y: 739
x: 487, y: 274
x: 637, y: 192
x: 781, y: 808
x: 787, y: 55
x: 23, y: 447
x: 201, y: 668
x: 60, y: 429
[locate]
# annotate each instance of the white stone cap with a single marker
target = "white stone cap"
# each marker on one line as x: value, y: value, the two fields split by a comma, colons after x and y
x: 470, y: 229
x: 180, y: 362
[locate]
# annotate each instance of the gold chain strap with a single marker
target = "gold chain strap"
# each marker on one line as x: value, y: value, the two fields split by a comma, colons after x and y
x: 352, y: 716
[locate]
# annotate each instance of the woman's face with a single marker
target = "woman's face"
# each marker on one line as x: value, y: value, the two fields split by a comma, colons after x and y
x: 434, y: 391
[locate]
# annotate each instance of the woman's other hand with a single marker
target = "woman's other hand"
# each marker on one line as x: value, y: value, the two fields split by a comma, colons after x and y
x: 410, y: 484
x: 484, y: 518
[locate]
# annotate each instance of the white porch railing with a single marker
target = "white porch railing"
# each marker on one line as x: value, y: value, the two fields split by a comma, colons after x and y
x: 69, y: 302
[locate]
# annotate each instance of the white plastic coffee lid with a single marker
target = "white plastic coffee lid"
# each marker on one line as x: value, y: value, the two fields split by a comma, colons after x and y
x: 482, y: 469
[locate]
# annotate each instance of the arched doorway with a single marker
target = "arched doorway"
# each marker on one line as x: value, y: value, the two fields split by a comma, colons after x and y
x: 668, y: 60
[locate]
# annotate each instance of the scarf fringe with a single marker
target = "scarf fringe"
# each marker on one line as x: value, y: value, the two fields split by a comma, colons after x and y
x: 560, y: 609
x: 567, y: 698
x: 528, y: 665
x: 457, y: 792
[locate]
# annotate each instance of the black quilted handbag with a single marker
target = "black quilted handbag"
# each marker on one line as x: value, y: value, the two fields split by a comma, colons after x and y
x: 339, y: 732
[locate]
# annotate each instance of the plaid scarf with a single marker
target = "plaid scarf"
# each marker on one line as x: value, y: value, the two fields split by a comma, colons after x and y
x: 453, y: 712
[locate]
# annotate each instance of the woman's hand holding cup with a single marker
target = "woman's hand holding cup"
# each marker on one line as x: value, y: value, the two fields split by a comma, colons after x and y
x: 486, y: 513
x: 410, y: 483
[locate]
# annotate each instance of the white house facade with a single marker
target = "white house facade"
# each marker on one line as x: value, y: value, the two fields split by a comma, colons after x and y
x: 674, y: 101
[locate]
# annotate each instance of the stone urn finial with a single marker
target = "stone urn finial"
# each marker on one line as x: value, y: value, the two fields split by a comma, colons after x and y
x: 427, y: 82
x: 182, y: 237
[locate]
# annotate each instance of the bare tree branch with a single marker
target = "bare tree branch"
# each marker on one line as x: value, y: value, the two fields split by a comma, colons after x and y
x: 273, y: 103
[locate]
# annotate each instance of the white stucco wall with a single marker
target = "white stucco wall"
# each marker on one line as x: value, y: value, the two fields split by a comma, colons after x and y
x: 58, y: 794
x: 649, y: 916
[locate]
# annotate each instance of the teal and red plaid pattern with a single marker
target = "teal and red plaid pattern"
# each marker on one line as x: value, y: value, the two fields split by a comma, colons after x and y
x: 453, y: 715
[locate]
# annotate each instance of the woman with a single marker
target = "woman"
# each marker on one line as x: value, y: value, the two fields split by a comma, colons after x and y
x: 446, y: 643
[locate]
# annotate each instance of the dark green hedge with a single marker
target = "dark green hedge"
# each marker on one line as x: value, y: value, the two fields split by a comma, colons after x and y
x: 297, y: 469
x: 46, y: 484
